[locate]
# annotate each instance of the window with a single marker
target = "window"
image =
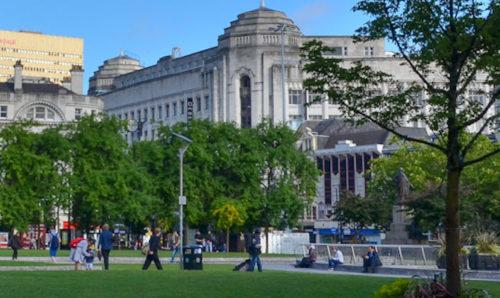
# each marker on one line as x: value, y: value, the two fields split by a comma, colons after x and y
x: 315, y: 117
x: 175, y: 108
x: 125, y: 116
x: 160, y: 116
x: 369, y: 51
x: 314, y: 97
x: 182, y: 107
x: 167, y: 110
x: 3, y: 112
x: 198, y: 104
x: 294, y: 96
x: 477, y: 95
x: 41, y: 113
x: 345, y: 51
x: 145, y: 115
x: 153, y: 113
x: 206, y: 102
x: 78, y: 114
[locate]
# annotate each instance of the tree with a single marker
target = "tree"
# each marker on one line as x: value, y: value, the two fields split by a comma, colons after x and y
x: 229, y: 214
x: 458, y: 39
x: 107, y: 186
x: 426, y: 169
x: 24, y: 195
x: 287, y: 177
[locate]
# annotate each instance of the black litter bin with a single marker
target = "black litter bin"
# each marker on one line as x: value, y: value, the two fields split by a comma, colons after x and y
x: 194, y: 259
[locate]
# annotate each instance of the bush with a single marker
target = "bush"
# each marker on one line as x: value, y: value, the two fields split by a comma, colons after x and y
x: 393, y: 290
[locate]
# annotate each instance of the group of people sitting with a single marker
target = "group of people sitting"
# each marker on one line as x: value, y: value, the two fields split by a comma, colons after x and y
x: 370, y: 261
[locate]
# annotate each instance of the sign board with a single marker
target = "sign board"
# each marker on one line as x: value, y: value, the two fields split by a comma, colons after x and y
x: 189, y: 108
x: 4, y: 239
x: 182, y: 200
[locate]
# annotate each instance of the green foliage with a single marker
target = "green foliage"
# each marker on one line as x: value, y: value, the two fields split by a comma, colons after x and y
x: 487, y: 243
x: 393, y: 290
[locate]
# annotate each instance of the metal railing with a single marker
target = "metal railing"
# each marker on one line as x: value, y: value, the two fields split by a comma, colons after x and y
x: 389, y: 254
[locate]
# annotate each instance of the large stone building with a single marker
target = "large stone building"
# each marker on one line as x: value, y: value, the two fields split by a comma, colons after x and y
x: 241, y: 79
x: 25, y: 97
x: 42, y: 55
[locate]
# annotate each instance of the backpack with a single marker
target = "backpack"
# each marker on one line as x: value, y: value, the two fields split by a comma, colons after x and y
x: 73, y: 243
x: 54, y: 241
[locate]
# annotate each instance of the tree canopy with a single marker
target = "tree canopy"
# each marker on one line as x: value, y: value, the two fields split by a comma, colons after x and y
x: 451, y: 46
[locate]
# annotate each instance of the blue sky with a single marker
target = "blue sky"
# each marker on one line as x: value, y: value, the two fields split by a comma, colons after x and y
x: 149, y: 29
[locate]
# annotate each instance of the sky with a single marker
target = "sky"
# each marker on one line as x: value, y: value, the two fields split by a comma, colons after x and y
x: 148, y: 29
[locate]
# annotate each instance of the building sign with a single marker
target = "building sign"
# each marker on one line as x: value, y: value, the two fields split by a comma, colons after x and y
x: 189, y: 108
x: 7, y: 41
x: 4, y: 239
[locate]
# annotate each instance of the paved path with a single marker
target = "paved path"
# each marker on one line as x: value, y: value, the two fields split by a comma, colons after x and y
x: 277, y: 264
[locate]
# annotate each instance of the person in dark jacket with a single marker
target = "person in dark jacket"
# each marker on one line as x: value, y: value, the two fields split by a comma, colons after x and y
x: 154, y: 245
x: 371, y: 260
x: 105, y: 244
x: 255, y: 250
x: 308, y: 262
x: 15, y: 243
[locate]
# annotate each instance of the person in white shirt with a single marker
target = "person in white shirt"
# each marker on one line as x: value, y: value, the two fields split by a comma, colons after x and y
x: 338, y: 258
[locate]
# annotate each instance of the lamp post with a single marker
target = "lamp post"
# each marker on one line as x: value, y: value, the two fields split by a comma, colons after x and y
x: 182, y: 198
x: 135, y: 126
x: 282, y: 28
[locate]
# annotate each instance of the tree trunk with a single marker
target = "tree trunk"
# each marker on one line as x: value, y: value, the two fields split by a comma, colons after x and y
x: 266, y: 231
x: 453, y: 229
x: 227, y: 240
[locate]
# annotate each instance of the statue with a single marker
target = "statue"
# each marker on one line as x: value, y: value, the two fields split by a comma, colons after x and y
x: 403, y: 186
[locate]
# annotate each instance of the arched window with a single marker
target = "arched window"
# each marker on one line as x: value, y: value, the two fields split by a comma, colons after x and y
x: 246, y: 103
x: 41, y: 113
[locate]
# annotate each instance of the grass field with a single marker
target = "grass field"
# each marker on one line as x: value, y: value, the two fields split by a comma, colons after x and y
x: 130, y: 253
x: 213, y: 281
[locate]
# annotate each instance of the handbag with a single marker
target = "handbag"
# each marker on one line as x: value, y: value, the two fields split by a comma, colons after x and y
x: 99, y: 255
x: 145, y: 249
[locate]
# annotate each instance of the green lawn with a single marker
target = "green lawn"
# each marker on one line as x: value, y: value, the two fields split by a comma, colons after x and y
x: 131, y: 253
x: 25, y: 263
x: 213, y: 281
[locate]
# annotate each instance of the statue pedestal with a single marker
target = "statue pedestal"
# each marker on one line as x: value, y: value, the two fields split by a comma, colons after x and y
x: 398, y: 233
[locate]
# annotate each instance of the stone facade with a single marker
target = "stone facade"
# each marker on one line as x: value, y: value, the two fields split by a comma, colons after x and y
x: 43, y: 101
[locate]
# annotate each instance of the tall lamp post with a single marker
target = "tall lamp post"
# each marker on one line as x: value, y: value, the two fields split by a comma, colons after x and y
x: 282, y: 28
x: 135, y: 126
x: 182, y: 198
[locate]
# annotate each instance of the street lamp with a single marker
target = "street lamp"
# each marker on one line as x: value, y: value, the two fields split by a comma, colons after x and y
x: 135, y: 126
x: 182, y: 198
x: 282, y: 28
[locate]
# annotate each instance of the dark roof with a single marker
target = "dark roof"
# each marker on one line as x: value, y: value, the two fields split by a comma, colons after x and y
x: 331, y: 131
x: 49, y: 88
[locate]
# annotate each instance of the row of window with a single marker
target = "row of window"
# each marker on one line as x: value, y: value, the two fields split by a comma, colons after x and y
x: 38, y: 61
x: 161, y: 73
x: 161, y: 112
x: 42, y: 53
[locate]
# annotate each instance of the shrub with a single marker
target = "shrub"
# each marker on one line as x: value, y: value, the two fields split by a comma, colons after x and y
x: 487, y: 243
x: 393, y: 290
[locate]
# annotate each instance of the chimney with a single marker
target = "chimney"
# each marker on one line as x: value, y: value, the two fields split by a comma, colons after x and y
x: 76, y: 79
x: 66, y: 82
x: 18, y: 76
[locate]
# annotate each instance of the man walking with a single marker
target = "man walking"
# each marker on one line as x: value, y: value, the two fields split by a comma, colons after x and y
x: 154, y: 245
x: 105, y: 244
x: 255, y: 251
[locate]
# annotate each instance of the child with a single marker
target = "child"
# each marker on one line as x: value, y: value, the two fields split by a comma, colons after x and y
x: 89, y: 261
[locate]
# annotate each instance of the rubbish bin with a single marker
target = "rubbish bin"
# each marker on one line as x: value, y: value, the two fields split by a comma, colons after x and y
x: 194, y: 259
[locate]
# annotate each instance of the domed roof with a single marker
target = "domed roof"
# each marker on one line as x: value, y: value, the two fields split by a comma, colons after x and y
x: 257, y: 21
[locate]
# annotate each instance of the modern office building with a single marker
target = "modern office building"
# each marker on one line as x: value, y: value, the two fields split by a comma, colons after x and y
x: 42, y: 55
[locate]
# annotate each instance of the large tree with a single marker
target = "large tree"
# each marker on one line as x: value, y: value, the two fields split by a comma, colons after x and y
x: 453, y: 40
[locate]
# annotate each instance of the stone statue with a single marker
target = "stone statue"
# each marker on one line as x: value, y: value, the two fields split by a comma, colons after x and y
x: 403, y: 186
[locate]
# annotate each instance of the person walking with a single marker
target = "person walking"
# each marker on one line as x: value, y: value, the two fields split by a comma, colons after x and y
x: 105, y: 244
x: 54, y: 242
x: 176, y: 243
x: 154, y: 245
x: 255, y: 251
x: 15, y: 243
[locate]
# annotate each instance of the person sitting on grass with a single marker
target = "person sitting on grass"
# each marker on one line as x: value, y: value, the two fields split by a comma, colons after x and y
x: 338, y: 258
x: 308, y: 262
x: 371, y: 260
